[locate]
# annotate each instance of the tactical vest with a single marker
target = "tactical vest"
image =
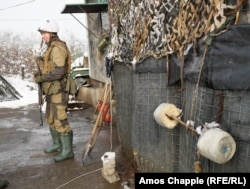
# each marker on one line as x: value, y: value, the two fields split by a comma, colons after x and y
x: 47, y: 66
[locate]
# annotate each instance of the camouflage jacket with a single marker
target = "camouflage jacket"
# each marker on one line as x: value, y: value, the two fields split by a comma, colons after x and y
x: 54, y: 66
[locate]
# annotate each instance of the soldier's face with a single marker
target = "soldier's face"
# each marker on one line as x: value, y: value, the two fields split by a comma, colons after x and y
x: 45, y: 36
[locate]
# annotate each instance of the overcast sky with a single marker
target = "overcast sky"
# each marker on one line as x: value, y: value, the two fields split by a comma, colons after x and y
x: 25, y: 16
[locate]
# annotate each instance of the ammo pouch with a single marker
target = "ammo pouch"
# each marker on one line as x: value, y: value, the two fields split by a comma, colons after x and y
x: 71, y: 87
x: 46, y: 87
x: 52, y: 87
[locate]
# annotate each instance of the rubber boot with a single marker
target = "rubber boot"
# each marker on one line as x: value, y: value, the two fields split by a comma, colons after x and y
x: 56, y: 146
x: 67, y: 148
x: 4, y: 184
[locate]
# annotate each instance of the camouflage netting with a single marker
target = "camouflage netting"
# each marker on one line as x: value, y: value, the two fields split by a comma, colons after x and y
x: 158, y: 28
x: 180, y: 63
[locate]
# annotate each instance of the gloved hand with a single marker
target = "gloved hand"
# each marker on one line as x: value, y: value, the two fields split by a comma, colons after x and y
x: 39, y: 79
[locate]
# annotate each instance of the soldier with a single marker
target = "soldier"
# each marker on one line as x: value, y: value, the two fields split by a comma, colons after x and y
x: 54, y: 67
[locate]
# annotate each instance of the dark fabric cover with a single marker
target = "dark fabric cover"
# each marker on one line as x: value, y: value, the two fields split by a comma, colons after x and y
x: 161, y: 65
x: 227, y: 63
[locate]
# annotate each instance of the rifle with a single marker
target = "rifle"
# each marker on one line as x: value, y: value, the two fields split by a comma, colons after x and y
x: 40, y: 91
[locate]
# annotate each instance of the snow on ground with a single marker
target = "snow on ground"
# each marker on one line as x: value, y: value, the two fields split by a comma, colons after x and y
x: 27, y: 88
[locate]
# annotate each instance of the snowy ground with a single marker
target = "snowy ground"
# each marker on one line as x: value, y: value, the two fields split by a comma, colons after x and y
x: 27, y: 88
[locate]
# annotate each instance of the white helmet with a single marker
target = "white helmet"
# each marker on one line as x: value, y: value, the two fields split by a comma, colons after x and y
x: 49, y: 26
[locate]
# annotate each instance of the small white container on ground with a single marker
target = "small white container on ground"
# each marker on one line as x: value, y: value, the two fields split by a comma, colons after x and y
x: 108, y: 171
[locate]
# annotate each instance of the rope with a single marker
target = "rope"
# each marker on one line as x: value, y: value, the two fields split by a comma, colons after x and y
x: 198, y: 83
x: 78, y: 177
x: 84, y: 25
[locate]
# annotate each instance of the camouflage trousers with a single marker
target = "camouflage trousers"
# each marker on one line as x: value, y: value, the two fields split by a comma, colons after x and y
x: 56, y: 113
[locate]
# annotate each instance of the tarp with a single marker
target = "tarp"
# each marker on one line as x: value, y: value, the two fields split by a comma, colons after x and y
x: 228, y: 59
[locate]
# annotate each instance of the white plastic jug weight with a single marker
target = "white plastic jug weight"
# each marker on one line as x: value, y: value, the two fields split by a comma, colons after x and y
x: 217, y: 145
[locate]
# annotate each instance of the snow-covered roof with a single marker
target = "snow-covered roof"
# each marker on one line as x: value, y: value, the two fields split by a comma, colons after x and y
x: 77, y: 63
